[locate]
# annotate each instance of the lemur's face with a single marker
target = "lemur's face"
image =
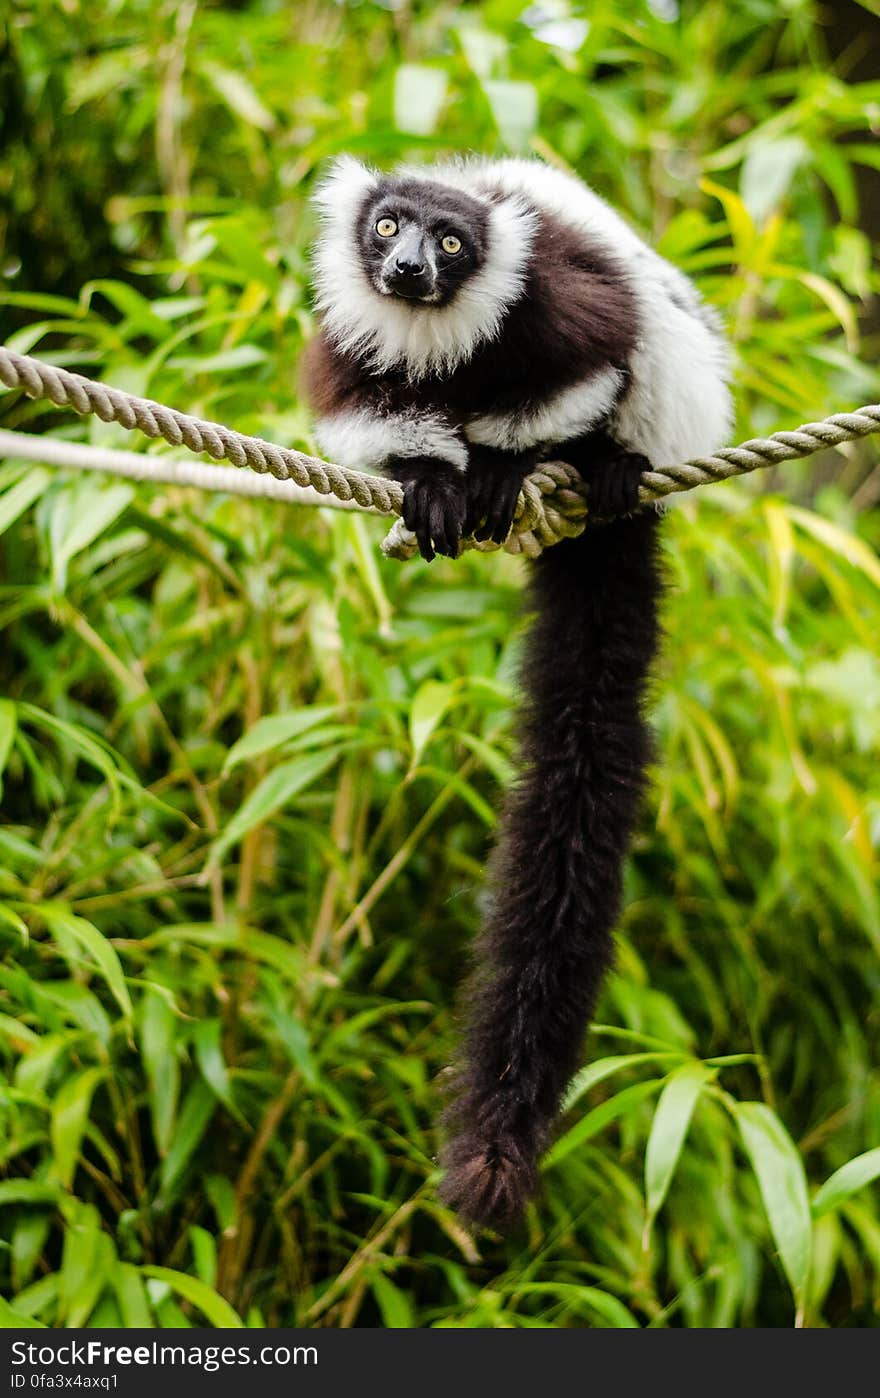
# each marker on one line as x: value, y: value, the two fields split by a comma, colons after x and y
x: 421, y: 241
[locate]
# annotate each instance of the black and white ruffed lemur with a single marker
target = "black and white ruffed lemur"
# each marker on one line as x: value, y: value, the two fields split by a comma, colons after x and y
x: 477, y: 318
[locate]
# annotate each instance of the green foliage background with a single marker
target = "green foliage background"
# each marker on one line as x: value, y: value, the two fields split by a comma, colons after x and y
x: 250, y: 769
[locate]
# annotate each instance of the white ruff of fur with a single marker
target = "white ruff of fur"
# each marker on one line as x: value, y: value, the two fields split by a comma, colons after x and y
x: 569, y: 413
x: 361, y: 439
x: 388, y: 332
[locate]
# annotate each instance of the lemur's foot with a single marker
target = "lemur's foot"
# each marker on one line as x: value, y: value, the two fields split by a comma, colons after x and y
x: 434, y: 503
x: 614, y: 479
x: 494, y: 481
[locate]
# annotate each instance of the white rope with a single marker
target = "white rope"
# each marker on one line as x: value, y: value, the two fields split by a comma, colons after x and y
x: 166, y: 470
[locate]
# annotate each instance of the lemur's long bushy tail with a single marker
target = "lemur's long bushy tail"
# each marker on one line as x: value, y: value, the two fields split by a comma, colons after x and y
x: 556, y: 873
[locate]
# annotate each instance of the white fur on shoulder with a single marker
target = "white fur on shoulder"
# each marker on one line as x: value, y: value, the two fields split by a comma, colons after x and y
x: 362, y: 440
x: 570, y: 413
x: 389, y: 332
x: 678, y: 404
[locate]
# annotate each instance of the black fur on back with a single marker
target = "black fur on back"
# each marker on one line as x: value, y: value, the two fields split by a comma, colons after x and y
x: 556, y: 874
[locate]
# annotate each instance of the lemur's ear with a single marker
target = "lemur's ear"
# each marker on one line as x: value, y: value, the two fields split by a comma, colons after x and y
x: 344, y: 184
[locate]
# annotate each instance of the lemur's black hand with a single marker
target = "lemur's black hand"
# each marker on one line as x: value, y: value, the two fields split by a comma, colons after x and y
x: 612, y: 473
x: 494, y: 481
x: 434, y: 502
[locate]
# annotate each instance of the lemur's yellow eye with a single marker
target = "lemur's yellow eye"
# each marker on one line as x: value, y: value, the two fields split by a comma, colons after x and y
x: 451, y: 244
x: 386, y: 228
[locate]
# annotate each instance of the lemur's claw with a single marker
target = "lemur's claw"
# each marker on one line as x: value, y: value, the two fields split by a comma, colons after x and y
x: 494, y: 482
x: 434, y: 511
x: 502, y: 508
x: 614, y: 484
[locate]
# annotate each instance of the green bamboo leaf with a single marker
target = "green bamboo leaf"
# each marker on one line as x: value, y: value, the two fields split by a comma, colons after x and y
x: 261, y: 946
x: 781, y: 556
x: 355, y: 1024
x: 64, y: 924
x: 79, y: 517
x: 294, y: 1035
x: 275, y: 730
x: 158, y: 1036
x: 515, y: 111
x: 274, y: 791
x: 41, y: 301
x: 742, y: 228
x: 219, y: 1312
x: 41, y: 1297
x: 238, y: 357
x: 767, y: 173
x: 29, y: 1238
x: 20, y: 1038
x: 10, y: 918
x: 11, y: 1319
x: 419, y: 94
x: 852, y: 1176
x: 28, y: 1192
x: 669, y: 1129
x: 131, y: 1294
x: 204, y: 1254
x: 84, y: 744
x: 8, y: 726
x: 70, y: 1112
x: 37, y: 1065
x: 839, y: 541
x: 140, y: 318
x: 429, y: 704
x: 364, y: 552
x: 238, y: 94
x: 834, y: 298
x: 85, y: 1263
x: 492, y: 758
x: 209, y: 1056
x: 195, y: 1114
x: 781, y: 1179
x: 603, y: 1303
x: 603, y: 1068
x: 240, y: 241
x: 76, y: 1005
x: 485, y: 49
x: 93, y: 1279
x: 21, y: 496
x: 221, y: 1193
x: 628, y: 1100
x: 397, y: 1313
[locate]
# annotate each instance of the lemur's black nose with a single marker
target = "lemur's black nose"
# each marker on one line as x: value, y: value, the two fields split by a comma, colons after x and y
x: 406, y: 268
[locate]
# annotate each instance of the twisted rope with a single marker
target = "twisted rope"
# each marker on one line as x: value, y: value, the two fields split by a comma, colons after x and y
x: 68, y: 390
x: 553, y: 503
x: 164, y: 470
